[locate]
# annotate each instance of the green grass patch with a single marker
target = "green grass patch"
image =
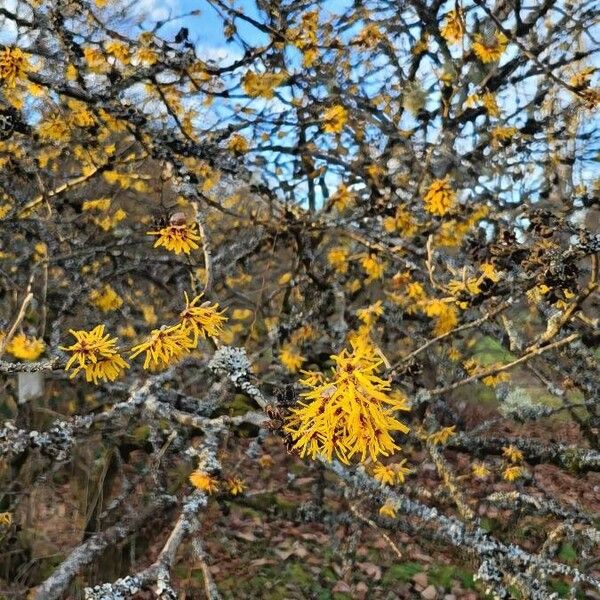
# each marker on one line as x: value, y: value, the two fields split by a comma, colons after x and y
x: 403, y: 572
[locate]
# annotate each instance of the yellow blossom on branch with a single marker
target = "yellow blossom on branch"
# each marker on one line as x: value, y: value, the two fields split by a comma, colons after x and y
x: 96, y: 353
x: 373, y: 266
x: 164, y: 346
x: 177, y: 238
x: 441, y: 436
x: 204, y: 482
x: 349, y: 413
x: 384, y: 474
x: 479, y: 470
x: 391, y: 474
x: 201, y: 321
x: 491, y: 104
x: 334, y: 119
x: 106, y: 367
x: 342, y: 198
x: 489, y: 49
x: 440, y: 197
x: 338, y: 258
x: 388, y: 510
x: 370, y: 314
x: 444, y: 313
x: 24, y: 348
x: 402, y: 222
x: 291, y: 359
x: 235, y: 485
x: 453, y: 27
x: 401, y: 471
x: 513, y: 473
x: 106, y: 299
x: 262, y: 84
x: 238, y: 143
x: 513, y: 454
x: 55, y: 128
x: 13, y: 66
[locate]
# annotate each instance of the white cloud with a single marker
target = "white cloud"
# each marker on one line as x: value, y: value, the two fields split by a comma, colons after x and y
x: 157, y: 10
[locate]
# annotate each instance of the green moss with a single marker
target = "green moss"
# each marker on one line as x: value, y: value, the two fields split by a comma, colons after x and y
x: 488, y: 351
x: 403, y: 572
x: 567, y: 553
x: 488, y: 524
x: 141, y: 434
x: 239, y: 405
x: 446, y: 575
x: 297, y: 573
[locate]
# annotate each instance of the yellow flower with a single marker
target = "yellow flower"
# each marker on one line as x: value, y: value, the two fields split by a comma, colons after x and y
x: 512, y: 473
x: 479, y: 470
x: 440, y: 197
x: 108, y: 222
x: 488, y: 49
x: 303, y: 334
x: 106, y: 367
x: 401, y: 471
x: 96, y: 353
x: 127, y: 331
x: 445, y: 314
x: 71, y: 73
x: 441, y: 436
x: 453, y: 27
x: 388, y: 510
x: 101, y: 204
x: 118, y: 49
x: 402, y: 222
x: 6, y: 519
x: 491, y: 105
x: 149, y: 314
x: 203, y: 481
x: 501, y: 134
x: 513, y: 454
x: 266, y: 461
x: 95, y: 59
x: 55, y: 129
x: 494, y: 380
x: 106, y: 299
x: 201, y: 321
x: 24, y: 348
x: 177, y: 238
x: 236, y: 485
x: 338, y: 258
x: 384, y: 474
x: 582, y: 79
x: 241, y: 314
x: 373, y: 267
x: 349, y: 413
x: 393, y: 473
x: 488, y: 271
x: 369, y: 315
x: 238, y: 143
x: 262, y: 84
x: 415, y: 291
x: 342, y: 198
x: 291, y: 359
x: 305, y: 37
x: 164, y: 346
x: 147, y: 56
x: 334, y: 119
x: 13, y: 66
